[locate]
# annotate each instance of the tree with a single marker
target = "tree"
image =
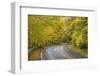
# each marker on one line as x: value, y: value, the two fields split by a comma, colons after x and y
x: 50, y: 30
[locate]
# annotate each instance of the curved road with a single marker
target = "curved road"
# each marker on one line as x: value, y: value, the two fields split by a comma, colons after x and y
x: 59, y: 52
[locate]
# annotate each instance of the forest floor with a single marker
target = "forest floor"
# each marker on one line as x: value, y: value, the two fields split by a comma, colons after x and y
x: 35, y: 54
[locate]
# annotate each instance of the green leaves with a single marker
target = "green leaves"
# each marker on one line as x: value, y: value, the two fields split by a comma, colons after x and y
x: 50, y: 30
x: 78, y: 32
x: 44, y: 30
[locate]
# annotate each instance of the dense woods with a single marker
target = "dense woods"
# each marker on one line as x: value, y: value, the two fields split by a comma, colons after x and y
x: 45, y: 31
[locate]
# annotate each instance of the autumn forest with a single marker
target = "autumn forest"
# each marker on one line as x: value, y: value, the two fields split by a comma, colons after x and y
x: 57, y: 37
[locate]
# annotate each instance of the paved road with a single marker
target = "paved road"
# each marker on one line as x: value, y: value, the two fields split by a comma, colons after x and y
x: 59, y: 52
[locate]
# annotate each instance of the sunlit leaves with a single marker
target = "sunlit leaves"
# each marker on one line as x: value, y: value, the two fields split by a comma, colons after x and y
x: 50, y: 30
x: 78, y: 32
x: 44, y: 30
